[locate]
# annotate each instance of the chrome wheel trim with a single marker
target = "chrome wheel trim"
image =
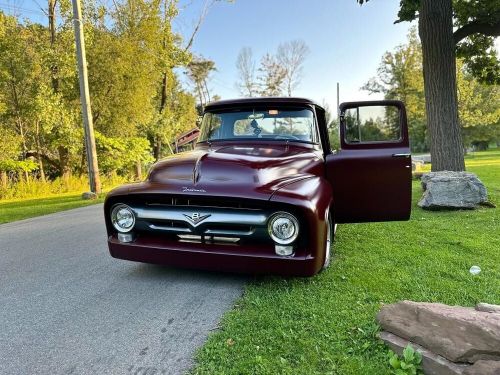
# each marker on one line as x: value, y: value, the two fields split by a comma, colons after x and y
x: 328, y: 248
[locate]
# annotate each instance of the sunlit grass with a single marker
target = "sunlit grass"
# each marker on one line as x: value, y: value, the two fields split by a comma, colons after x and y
x: 17, y: 209
x: 473, y: 159
x: 37, y: 199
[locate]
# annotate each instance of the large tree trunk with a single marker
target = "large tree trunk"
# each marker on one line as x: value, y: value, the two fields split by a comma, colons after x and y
x: 438, y: 49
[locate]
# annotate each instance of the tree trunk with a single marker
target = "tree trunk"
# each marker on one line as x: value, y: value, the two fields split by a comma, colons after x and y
x: 52, y: 29
x: 157, y: 149
x: 138, y: 170
x: 206, y: 90
x: 3, y: 179
x: 39, y: 152
x: 42, y: 170
x: 440, y: 87
x: 64, y: 167
x: 200, y: 96
x: 164, y: 87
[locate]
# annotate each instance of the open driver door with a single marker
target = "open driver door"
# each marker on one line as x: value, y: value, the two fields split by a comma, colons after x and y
x: 371, y: 173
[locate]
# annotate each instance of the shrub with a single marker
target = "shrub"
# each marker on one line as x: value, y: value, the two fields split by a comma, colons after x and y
x: 34, y: 188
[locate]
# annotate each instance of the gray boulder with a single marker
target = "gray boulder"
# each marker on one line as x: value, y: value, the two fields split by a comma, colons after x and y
x: 452, y: 190
x: 459, y: 334
x: 89, y: 195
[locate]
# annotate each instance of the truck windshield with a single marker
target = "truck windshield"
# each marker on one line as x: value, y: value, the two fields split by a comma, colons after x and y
x: 270, y: 124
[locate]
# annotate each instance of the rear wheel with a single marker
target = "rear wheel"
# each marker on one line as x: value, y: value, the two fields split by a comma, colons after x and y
x: 330, y: 229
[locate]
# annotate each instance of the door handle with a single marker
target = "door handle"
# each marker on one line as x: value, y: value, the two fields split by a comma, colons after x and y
x: 401, y: 155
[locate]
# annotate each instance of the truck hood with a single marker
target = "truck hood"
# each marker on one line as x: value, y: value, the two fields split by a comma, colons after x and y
x: 247, y: 171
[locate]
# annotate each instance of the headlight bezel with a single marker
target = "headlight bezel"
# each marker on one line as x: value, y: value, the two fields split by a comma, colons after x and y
x: 292, y: 218
x: 114, y: 220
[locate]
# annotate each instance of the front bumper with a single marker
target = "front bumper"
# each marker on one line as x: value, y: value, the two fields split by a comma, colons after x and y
x: 251, y: 259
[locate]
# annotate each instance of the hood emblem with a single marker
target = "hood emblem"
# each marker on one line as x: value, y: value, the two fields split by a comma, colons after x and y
x: 196, y: 218
x: 192, y: 190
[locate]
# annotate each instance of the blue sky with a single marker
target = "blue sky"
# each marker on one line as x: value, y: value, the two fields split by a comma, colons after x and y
x: 346, y: 41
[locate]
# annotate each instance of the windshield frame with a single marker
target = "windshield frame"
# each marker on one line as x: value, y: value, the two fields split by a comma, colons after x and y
x: 257, y: 108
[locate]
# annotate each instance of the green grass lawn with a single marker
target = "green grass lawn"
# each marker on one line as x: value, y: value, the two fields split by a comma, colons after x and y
x: 11, y: 210
x: 326, y: 324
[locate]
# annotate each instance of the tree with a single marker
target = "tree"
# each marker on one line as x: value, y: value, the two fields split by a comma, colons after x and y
x: 59, y: 64
x: 271, y: 77
x: 198, y: 70
x: 476, y: 24
x: 399, y: 76
x: 291, y: 56
x: 246, y: 70
x: 478, y: 109
x: 277, y: 74
x: 137, y: 99
x: 179, y: 115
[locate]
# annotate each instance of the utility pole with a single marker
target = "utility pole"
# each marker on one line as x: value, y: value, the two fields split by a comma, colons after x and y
x: 338, y: 100
x: 93, y: 169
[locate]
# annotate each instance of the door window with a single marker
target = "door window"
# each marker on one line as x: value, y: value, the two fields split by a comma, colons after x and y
x: 366, y: 124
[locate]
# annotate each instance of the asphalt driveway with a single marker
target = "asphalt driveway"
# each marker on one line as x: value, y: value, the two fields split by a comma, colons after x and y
x: 67, y: 307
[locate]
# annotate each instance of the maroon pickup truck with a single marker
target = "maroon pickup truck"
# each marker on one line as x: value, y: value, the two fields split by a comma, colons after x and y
x: 262, y: 191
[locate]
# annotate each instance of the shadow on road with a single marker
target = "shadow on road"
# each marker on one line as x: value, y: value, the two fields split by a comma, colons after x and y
x: 145, y: 271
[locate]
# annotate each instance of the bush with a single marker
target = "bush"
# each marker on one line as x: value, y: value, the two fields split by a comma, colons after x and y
x: 34, y: 188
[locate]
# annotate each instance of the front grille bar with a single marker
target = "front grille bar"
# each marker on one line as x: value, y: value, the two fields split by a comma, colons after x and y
x: 201, y: 220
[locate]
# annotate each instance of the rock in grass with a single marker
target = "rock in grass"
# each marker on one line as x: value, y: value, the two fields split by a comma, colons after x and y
x: 452, y: 190
x: 432, y: 364
x: 459, y: 334
x: 89, y: 195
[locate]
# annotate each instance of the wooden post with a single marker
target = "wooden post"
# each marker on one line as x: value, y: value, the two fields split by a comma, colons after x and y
x: 93, y: 169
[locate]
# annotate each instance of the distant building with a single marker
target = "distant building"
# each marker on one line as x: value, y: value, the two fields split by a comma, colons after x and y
x: 186, y: 140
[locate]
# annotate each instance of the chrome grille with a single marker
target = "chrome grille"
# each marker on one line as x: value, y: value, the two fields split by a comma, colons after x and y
x: 205, y: 221
x: 200, y: 202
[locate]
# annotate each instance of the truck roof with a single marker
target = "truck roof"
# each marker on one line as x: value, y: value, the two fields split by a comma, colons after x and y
x: 261, y: 100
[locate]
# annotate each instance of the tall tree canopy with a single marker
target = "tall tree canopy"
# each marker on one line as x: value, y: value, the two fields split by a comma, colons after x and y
x: 447, y: 29
x: 399, y: 76
x: 138, y: 104
x: 198, y: 70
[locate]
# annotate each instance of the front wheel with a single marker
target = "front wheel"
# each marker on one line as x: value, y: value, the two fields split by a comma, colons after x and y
x: 328, y: 243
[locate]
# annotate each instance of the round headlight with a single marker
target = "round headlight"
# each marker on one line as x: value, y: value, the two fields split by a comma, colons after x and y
x: 283, y: 228
x: 123, y: 218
